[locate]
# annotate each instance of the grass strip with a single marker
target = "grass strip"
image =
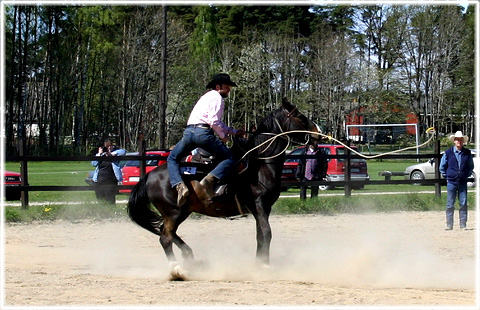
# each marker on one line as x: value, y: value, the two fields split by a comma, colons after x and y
x: 327, y: 205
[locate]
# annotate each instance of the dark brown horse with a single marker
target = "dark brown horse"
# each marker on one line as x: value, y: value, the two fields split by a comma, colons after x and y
x: 253, y: 191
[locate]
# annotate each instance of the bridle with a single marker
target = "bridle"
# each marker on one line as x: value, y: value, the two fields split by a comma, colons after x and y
x: 291, y: 118
x: 300, y: 125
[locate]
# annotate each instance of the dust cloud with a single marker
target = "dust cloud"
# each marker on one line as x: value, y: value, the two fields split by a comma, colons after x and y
x: 367, y: 250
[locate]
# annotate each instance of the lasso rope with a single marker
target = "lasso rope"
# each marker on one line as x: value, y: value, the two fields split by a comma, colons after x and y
x: 430, y: 131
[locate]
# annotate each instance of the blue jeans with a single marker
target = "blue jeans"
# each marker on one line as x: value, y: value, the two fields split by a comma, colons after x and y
x: 205, y: 139
x: 453, y: 191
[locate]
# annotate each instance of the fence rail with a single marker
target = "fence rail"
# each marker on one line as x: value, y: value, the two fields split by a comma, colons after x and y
x: 348, y: 184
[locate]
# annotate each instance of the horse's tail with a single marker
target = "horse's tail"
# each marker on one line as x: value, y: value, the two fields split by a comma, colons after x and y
x: 139, y: 208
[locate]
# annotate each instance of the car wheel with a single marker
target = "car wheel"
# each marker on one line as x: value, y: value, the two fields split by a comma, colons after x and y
x: 325, y: 187
x: 471, y: 184
x: 417, y: 175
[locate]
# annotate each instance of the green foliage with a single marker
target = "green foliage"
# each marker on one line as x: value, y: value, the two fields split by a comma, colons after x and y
x: 405, y: 140
x: 204, y: 44
x: 14, y: 215
x: 446, y: 141
x: 66, y: 212
x: 94, y: 71
x: 363, y: 204
x: 297, y: 206
x: 326, y: 205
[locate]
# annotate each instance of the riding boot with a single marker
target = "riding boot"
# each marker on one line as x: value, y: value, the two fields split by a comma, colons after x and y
x: 182, y: 194
x: 207, y: 183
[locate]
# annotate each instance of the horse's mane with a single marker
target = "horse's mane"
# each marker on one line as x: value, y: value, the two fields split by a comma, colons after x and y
x: 267, y: 124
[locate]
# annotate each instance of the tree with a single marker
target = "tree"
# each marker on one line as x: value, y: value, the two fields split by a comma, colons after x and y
x: 384, y: 28
x: 462, y: 94
x: 430, y: 54
x: 78, y: 74
x: 204, y: 44
x: 331, y: 74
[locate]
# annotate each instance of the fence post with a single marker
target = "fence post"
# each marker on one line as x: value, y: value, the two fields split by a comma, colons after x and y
x: 348, y: 186
x: 24, y: 174
x: 141, y: 150
x: 438, y: 186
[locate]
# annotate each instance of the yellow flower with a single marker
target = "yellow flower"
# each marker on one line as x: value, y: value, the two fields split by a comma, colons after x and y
x: 47, y: 209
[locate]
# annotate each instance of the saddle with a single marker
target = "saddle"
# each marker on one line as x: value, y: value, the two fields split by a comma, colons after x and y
x: 199, y: 163
x: 199, y: 156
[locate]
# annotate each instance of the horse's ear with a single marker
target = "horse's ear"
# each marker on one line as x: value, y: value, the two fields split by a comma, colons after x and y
x: 286, y: 104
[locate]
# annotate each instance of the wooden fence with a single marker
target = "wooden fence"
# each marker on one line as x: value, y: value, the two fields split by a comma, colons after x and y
x: 348, y: 184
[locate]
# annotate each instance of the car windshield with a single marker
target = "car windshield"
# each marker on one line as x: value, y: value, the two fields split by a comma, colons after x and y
x: 123, y: 163
x: 132, y: 163
x: 136, y: 163
x: 341, y: 151
x: 294, y: 152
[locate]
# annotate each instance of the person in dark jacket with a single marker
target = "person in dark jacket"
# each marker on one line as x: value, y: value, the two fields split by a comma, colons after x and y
x: 107, y: 172
x: 309, y: 169
x: 456, y: 166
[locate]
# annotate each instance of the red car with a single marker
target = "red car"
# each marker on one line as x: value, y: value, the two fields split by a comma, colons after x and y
x: 12, y: 179
x: 336, y: 166
x: 131, y: 170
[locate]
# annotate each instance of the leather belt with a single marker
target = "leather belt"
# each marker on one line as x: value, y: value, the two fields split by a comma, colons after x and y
x: 206, y: 126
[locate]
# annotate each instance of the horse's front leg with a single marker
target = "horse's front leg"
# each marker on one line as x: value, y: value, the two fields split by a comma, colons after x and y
x: 187, y: 252
x: 167, y: 238
x: 264, y: 237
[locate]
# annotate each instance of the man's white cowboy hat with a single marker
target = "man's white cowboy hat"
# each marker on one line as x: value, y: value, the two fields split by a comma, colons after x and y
x: 458, y: 134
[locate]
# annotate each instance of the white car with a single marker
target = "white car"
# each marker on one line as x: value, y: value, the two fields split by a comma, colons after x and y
x: 426, y: 170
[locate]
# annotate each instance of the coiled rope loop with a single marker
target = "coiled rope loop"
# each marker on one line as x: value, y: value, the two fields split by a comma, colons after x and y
x: 431, y: 131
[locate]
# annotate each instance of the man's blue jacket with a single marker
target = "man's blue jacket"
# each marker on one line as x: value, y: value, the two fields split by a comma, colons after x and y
x: 454, y: 171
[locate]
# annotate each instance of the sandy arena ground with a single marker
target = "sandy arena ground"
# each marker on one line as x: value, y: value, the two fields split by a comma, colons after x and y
x: 380, y: 259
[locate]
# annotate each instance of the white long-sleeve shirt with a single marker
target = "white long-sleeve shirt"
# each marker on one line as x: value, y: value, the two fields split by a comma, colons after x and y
x: 209, y: 110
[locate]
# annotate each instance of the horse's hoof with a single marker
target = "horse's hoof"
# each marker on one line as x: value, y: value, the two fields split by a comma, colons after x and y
x: 177, y: 273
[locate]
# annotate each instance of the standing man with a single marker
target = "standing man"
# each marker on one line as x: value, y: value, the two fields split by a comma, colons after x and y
x: 205, y: 120
x: 456, y: 166
x: 308, y: 170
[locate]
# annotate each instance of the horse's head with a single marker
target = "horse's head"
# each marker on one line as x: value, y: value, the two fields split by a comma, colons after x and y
x: 291, y: 119
x: 284, y: 121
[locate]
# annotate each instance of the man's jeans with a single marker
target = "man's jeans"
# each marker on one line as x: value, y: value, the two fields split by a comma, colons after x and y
x: 205, y: 139
x: 454, y: 190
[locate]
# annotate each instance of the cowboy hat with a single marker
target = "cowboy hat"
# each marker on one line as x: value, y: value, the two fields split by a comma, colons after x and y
x: 220, y: 79
x: 458, y: 134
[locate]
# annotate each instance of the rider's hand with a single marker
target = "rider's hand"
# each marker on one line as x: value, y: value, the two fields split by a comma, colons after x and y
x: 225, y: 139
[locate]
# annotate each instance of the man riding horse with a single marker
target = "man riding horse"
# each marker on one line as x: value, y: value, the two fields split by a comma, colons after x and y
x: 255, y: 190
x: 205, y: 120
